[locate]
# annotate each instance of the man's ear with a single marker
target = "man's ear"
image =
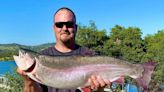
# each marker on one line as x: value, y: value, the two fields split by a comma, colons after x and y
x: 53, y: 27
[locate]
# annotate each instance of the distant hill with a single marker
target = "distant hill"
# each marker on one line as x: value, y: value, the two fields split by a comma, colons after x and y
x: 41, y: 47
x: 11, y: 47
x: 8, y: 50
x: 15, y: 47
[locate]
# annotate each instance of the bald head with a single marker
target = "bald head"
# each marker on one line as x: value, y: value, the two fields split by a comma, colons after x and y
x: 64, y: 13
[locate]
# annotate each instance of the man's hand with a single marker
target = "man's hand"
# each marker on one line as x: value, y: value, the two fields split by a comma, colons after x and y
x: 29, y: 85
x: 98, y: 83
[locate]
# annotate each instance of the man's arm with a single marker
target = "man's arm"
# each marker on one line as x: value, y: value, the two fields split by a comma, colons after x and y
x: 29, y: 85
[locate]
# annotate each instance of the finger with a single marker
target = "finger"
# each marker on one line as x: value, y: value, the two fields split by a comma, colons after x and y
x: 24, y: 75
x: 21, y: 72
x: 93, y: 77
x: 91, y: 83
x: 101, y: 81
x: 107, y: 82
x: 95, y: 82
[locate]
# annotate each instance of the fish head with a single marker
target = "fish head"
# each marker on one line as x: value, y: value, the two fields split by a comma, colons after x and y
x: 24, y: 60
x: 27, y: 62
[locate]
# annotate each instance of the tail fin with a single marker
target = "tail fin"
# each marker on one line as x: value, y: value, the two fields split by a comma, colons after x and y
x: 143, y: 82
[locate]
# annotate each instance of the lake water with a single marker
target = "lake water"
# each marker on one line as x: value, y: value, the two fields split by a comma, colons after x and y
x: 7, y: 66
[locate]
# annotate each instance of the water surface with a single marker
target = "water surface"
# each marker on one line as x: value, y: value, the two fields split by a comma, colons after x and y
x: 7, y: 66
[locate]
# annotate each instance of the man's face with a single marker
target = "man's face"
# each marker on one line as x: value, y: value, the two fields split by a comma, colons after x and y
x: 64, y: 26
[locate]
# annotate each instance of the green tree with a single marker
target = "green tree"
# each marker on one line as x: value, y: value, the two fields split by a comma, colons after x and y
x: 91, y: 37
x: 155, y: 52
x: 112, y: 46
x: 154, y: 46
x: 125, y: 43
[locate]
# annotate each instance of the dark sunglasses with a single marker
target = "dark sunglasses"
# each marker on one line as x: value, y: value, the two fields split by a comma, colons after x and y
x: 67, y: 24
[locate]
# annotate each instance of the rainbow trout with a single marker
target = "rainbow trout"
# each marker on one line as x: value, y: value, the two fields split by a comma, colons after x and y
x: 74, y: 71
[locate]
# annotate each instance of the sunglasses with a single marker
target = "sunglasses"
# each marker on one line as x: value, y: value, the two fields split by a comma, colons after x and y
x: 67, y: 24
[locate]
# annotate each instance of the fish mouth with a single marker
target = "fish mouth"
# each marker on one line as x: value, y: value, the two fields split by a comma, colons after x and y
x: 30, y: 69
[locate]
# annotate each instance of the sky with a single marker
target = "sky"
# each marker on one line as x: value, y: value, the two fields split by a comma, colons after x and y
x: 30, y: 22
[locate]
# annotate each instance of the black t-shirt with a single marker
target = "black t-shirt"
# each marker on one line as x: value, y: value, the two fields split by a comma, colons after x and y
x: 52, y: 51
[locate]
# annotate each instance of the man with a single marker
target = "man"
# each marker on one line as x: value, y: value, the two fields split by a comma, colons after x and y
x: 65, y: 29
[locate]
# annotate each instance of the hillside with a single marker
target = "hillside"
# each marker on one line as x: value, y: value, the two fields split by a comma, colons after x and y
x: 8, y: 50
